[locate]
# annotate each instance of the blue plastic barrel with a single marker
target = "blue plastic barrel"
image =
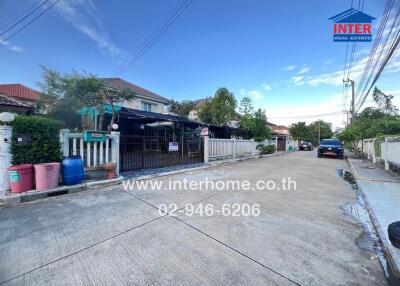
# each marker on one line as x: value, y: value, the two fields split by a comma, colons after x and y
x: 72, y: 170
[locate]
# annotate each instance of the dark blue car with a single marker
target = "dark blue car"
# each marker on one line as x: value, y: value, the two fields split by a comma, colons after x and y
x: 331, y: 148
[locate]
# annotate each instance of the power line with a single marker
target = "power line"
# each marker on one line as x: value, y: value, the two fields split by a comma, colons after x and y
x: 32, y: 10
x: 387, y: 58
x: 382, y: 25
x: 30, y: 22
x: 153, y: 38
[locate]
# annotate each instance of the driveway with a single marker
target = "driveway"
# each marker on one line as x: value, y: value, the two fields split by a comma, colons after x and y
x: 116, y: 237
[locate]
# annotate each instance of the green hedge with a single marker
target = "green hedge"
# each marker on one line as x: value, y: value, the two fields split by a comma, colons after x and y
x: 43, y: 144
x: 266, y: 149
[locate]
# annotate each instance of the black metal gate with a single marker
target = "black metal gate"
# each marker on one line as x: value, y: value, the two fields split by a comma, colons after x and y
x: 140, y: 152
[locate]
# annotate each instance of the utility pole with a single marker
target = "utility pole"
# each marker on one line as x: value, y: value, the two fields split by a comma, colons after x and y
x: 353, y: 111
x: 319, y: 131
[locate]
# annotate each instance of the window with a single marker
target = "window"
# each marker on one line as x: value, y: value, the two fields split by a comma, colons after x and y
x: 146, y: 106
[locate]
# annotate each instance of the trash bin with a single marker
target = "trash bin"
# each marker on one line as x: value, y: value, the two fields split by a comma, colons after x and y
x: 290, y: 148
x: 47, y: 175
x: 21, y: 178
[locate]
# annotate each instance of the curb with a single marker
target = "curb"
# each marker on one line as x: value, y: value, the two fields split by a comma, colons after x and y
x: 15, y: 199
x: 18, y: 198
x: 393, y: 268
x: 206, y: 166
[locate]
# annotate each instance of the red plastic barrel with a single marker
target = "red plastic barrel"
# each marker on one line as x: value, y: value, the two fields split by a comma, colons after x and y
x: 21, y: 178
x: 47, y: 175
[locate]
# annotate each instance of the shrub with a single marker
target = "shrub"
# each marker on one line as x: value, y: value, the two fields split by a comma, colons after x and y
x: 40, y: 140
x: 266, y: 149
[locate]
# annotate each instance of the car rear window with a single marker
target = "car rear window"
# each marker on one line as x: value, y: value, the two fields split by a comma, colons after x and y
x: 331, y: 142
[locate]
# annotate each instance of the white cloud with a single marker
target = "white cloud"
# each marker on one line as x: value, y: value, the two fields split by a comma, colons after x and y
x: 289, y: 68
x: 298, y: 80
x: 254, y: 94
x: 304, y: 70
x: 84, y: 16
x: 266, y: 86
x: 10, y: 46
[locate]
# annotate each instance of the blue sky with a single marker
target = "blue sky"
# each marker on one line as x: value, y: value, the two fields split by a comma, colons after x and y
x: 280, y: 53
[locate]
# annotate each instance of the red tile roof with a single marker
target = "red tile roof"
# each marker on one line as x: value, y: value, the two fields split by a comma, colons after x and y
x: 19, y: 91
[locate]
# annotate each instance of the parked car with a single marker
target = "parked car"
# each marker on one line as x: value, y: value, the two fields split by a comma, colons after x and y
x: 306, y: 146
x: 331, y: 148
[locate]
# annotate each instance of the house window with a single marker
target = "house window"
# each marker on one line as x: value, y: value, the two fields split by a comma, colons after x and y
x: 146, y: 106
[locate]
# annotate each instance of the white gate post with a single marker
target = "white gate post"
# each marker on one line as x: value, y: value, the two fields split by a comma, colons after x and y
x: 64, y: 142
x: 115, y: 150
x: 234, y: 147
x: 386, y: 155
x: 373, y: 151
x: 252, y: 147
x: 5, y: 157
x: 206, y: 149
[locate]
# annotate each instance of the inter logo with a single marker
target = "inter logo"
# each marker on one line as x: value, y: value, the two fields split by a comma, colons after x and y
x: 352, y: 26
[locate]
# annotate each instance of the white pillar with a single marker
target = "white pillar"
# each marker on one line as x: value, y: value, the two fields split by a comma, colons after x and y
x: 5, y: 157
x: 115, y: 150
x: 386, y: 155
x: 64, y: 142
x: 252, y: 147
x: 373, y: 151
x: 234, y: 147
x: 206, y: 149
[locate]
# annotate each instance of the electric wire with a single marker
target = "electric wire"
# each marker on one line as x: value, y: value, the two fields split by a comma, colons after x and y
x: 153, y: 38
x: 30, y: 11
x: 29, y: 23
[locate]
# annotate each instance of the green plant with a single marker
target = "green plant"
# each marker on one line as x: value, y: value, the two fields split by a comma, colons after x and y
x: 266, y: 149
x: 40, y: 140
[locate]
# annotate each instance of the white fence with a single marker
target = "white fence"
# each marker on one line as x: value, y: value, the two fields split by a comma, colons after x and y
x: 232, y: 148
x: 387, y: 150
x: 93, y: 154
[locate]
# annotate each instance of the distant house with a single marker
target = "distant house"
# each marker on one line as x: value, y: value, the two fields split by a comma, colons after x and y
x: 145, y: 100
x: 17, y: 98
x: 280, y: 129
x: 194, y: 114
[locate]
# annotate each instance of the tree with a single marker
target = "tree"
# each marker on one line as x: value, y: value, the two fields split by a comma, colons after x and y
x: 182, y: 108
x: 384, y: 101
x: 370, y: 123
x: 220, y: 109
x: 223, y: 106
x: 246, y: 106
x: 320, y: 130
x: 301, y: 132
x: 58, y: 98
x: 63, y: 95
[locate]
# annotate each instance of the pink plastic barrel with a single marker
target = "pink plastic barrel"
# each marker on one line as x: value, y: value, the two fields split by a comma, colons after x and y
x: 21, y: 178
x: 47, y: 175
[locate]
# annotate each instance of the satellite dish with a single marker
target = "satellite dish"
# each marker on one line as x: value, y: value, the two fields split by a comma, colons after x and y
x: 115, y: 126
x: 6, y: 116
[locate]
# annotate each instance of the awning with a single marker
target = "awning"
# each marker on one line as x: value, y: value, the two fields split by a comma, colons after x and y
x: 150, y: 117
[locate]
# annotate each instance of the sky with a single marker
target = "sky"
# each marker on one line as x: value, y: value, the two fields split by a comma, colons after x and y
x: 280, y: 53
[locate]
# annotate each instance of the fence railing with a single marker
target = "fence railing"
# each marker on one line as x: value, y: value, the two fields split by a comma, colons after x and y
x: 385, y: 150
x: 93, y: 154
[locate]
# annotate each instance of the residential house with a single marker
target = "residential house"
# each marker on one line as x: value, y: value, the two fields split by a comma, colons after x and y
x: 145, y: 100
x: 280, y: 129
x: 17, y: 98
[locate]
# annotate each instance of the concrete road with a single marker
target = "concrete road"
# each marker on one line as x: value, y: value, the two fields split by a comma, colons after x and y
x: 115, y: 237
